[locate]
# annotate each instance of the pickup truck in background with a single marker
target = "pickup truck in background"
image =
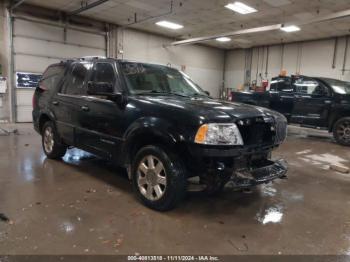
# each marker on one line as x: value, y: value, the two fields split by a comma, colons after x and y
x: 309, y: 101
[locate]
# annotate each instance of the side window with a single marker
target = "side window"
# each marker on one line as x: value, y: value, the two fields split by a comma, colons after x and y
x: 281, y: 85
x: 310, y: 87
x: 103, y: 72
x: 76, y: 82
x: 52, y: 77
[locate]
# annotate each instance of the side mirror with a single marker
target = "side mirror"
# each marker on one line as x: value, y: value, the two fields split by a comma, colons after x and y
x: 106, y: 89
x: 207, y: 92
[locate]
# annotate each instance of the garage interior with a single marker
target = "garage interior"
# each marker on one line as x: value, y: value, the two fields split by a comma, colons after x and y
x: 84, y: 205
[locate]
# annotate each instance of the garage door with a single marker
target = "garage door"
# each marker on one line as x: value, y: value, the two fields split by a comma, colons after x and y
x: 37, y: 45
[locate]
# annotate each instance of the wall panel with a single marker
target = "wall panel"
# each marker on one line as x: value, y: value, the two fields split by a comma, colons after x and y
x: 38, y: 45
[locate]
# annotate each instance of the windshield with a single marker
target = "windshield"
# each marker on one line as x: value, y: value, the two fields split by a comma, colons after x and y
x: 148, y: 78
x: 340, y: 87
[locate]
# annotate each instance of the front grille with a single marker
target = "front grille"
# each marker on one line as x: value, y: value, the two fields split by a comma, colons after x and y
x: 256, y: 131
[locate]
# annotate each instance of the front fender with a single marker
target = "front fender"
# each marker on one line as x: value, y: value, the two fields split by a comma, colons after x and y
x: 152, y: 128
x: 157, y: 126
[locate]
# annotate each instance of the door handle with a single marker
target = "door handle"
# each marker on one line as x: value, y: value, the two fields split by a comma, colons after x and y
x: 85, y: 108
x: 327, y: 102
x: 55, y: 103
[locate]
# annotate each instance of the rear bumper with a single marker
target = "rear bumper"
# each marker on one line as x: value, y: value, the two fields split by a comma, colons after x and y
x: 265, y: 173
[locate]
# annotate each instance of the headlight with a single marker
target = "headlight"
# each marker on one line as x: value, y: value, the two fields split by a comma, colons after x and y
x: 218, y: 134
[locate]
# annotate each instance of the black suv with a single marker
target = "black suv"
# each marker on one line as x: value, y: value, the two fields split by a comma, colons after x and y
x: 309, y: 101
x: 156, y: 122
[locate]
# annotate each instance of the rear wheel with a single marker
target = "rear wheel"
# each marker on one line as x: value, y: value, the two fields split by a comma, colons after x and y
x: 52, y: 147
x: 159, y: 178
x: 341, y: 131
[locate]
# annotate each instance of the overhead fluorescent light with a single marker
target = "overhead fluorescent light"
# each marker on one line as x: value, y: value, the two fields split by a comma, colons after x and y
x: 241, y: 8
x: 291, y: 28
x: 223, y: 39
x: 170, y: 25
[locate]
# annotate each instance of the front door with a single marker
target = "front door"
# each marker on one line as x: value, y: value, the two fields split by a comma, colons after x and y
x: 312, y: 102
x: 101, y: 118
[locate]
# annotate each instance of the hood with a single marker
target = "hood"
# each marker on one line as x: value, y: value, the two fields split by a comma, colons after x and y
x: 210, y: 109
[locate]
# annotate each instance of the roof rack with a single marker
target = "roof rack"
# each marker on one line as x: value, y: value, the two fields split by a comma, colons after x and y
x: 91, y: 57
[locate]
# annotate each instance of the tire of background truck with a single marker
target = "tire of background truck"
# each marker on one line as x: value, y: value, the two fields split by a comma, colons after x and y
x: 158, y: 177
x: 52, y: 147
x: 341, y: 131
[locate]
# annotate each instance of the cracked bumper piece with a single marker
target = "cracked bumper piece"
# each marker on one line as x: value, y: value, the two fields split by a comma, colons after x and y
x: 263, y: 173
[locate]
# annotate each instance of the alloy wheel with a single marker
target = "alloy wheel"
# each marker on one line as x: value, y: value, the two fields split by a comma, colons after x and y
x: 48, y: 139
x: 151, y: 178
x: 343, y: 131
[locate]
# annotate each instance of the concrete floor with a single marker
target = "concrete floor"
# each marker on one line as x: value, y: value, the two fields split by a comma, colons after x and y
x: 81, y: 205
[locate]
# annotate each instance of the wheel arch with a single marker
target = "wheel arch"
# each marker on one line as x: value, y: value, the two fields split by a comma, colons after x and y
x: 44, y: 117
x: 143, y: 133
x: 335, y: 118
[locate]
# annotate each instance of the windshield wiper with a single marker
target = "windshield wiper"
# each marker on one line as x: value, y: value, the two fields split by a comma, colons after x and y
x: 197, y: 94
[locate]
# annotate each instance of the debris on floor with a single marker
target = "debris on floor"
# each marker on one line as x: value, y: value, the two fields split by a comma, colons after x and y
x: 339, y: 168
x: 242, y: 248
x: 90, y: 190
x: 307, y: 151
x: 4, y: 218
x: 4, y: 132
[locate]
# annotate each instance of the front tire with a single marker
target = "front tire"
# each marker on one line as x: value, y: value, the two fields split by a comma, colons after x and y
x: 159, y: 178
x: 51, y: 144
x: 341, y: 131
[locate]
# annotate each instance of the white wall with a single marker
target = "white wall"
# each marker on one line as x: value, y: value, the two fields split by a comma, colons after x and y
x: 313, y: 58
x: 4, y: 98
x: 203, y: 64
x: 234, y: 68
x: 37, y: 45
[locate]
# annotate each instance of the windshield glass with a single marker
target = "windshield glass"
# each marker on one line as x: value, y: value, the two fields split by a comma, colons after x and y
x: 340, y: 87
x: 148, y: 78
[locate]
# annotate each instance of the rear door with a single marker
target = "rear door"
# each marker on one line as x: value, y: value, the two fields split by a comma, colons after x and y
x: 312, y: 102
x: 282, y: 95
x: 49, y: 84
x: 101, y: 118
x: 68, y: 102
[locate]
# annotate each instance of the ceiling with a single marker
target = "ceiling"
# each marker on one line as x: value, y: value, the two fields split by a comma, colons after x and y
x: 209, y: 17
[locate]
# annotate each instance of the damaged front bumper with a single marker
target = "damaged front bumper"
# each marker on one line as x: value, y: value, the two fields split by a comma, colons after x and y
x: 262, y: 173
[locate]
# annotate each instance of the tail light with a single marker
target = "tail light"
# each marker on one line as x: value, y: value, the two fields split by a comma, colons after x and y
x: 42, y: 87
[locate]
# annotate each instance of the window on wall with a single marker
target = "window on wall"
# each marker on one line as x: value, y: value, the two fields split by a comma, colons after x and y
x: 76, y: 82
x: 27, y: 80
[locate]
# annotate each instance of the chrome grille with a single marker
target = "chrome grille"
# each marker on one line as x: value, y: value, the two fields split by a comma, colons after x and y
x: 256, y: 131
